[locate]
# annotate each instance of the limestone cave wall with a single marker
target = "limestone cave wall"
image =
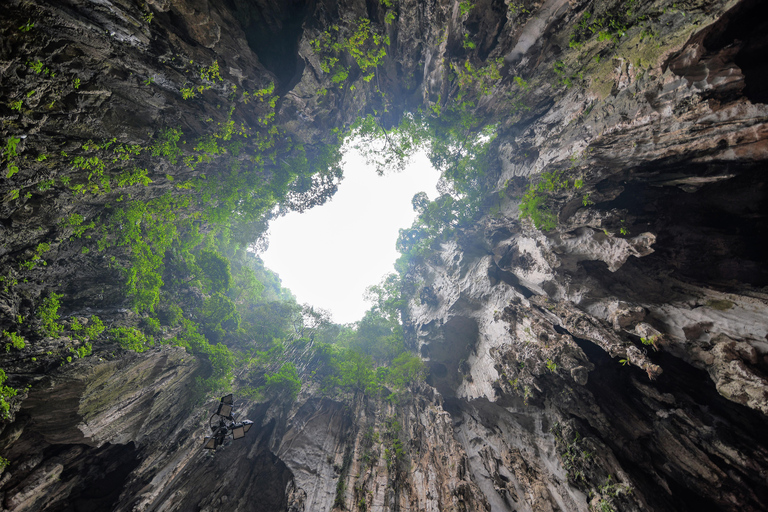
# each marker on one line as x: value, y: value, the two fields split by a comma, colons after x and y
x: 617, y: 361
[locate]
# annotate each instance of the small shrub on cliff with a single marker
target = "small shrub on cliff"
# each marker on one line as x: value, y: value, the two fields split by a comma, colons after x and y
x: 6, y: 392
x: 170, y: 315
x: 361, y: 41
x: 48, y: 313
x: 286, y: 380
x: 405, y: 370
x: 219, y: 356
x: 16, y: 341
x: 167, y: 145
x: 131, y: 338
x: 94, y: 327
x: 533, y: 203
x: 151, y: 325
x: 83, y: 351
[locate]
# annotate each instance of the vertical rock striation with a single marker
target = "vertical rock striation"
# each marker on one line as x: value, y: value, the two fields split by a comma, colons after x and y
x: 617, y: 361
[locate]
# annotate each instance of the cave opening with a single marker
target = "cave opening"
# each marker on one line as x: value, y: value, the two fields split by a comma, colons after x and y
x: 327, y: 256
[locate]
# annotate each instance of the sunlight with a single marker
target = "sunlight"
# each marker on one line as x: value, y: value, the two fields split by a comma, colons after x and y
x: 328, y: 255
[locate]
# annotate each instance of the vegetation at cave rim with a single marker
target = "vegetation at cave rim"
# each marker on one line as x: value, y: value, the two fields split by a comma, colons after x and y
x: 179, y: 238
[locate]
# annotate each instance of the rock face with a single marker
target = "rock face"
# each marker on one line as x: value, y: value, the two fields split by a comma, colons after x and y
x: 618, y: 361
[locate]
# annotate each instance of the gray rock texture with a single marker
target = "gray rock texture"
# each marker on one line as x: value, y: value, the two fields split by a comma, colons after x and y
x: 618, y: 361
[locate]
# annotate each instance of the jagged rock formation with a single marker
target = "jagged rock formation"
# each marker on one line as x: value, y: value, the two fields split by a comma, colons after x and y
x: 615, y: 362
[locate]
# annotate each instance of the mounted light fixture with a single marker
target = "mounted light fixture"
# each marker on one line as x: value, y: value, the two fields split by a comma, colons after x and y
x: 240, y: 429
x: 225, y: 406
x: 226, y: 426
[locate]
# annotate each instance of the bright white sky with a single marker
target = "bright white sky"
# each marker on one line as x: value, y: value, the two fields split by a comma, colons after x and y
x: 330, y: 254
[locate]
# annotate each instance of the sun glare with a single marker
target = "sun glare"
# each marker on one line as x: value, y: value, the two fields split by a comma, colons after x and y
x: 328, y: 255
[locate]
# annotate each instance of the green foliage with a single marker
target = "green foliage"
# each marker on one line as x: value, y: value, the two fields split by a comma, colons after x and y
x: 15, y: 340
x: 361, y: 41
x: 151, y: 325
x: 351, y: 364
x: 6, y: 393
x: 609, y: 493
x: 211, y: 73
x: 285, y: 381
x: 386, y: 297
x: 521, y: 83
x: 406, y: 370
x: 29, y: 25
x: 131, y: 338
x: 394, y: 453
x: 37, y: 256
x: 533, y: 203
x: 4, y: 463
x: 167, y: 145
x: 83, y: 351
x: 135, y: 177
x: 465, y: 6
x: 216, y: 270
x: 532, y: 206
x: 221, y: 360
x: 219, y: 356
x: 10, y: 147
x: 475, y: 82
x: 457, y: 144
x: 467, y: 42
x: 219, y: 315
x: 148, y: 228
x: 513, y: 8
x: 171, y: 315
x: 48, y: 312
x: 575, y: 457
x: 82, y: 333
x: 610, y: 26
x: 36, y: 66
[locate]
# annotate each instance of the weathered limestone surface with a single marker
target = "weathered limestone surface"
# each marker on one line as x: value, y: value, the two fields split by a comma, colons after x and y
x: 619, y: 360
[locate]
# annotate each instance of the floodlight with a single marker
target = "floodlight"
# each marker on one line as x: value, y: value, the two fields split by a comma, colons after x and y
x: 225, y: 407
x: 225, y: 410
x: 226, y: 425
